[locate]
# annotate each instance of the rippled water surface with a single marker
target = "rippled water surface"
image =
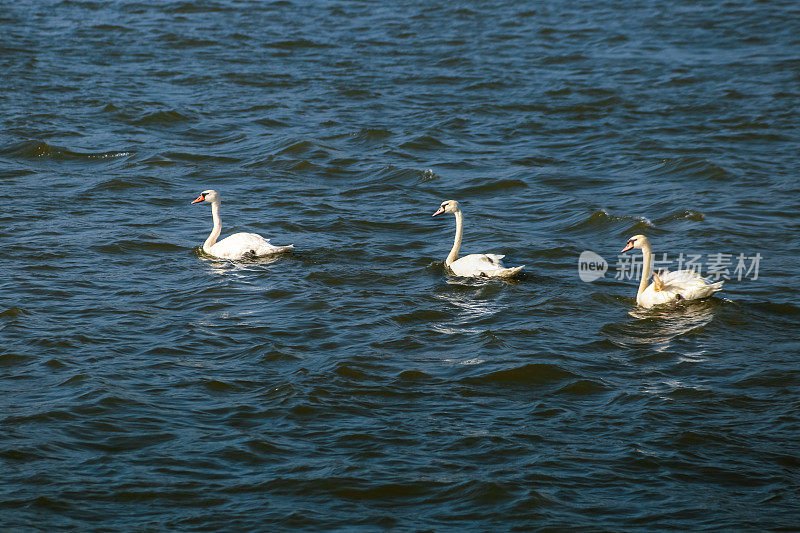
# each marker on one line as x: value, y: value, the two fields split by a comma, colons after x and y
x: 352, y: 384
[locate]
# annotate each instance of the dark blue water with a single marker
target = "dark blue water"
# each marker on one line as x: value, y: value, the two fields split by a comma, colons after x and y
x: 353, y: 384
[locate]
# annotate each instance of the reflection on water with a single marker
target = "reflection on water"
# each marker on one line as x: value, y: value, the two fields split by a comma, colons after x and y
x: 658, y: 327
x: 481, y: 282
x: 473, y: 301
x: 228, y: 267
x: 472, y: 361
x: 663, y: 388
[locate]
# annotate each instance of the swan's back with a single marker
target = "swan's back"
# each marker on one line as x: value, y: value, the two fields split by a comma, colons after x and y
x: 483, y: 265
x: 240, y: 245
x: 690, y: 284
x: 678, y: 285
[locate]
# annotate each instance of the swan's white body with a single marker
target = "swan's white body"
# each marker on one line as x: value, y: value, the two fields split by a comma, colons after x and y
x: 238, y: 245
x: 669, y: 287
x: 473, y: 265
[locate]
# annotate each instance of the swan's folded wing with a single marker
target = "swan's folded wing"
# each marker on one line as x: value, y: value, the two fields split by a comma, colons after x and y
x: 241, y: 245
x: 680, y: 276
x: 690, y: 284
x: 651, y: 297
x: 484, y: 265
x: 481, y: 261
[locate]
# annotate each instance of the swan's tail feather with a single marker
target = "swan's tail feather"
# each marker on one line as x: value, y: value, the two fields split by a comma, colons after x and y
x: 509, y: 272
x: 702, y: 290
x: 271, y: 249
x: 714, y: 287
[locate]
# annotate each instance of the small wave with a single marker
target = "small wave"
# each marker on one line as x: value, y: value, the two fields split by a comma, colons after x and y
x: 699, y: 437
x: 561, y: 91
x: 156, y: 161
x: 274, y: 356
x: 162, y: 117
x: 769, y: 379
x: 784, y: 308
x: 685, y: 393
x: 13, y: 312
x: 561, y: 59
x: 121, y: 184
x: 684, y: 214
x: 423, y: 142
x: 371, y: 135
x: 184, y: 156
x: 494, y: 186
x: 197, y: 7
x: 427, y: 175
x: 490, y: 85
x: 128, y: 246
x: 602, y: 219
x: 680, y: 81
x: 257, y: 80
x: 348, y: 371
x: 531, y: 373
x: 271, y: 123
x: 481, y: 492
x: 40, y: 149
x: 216, y: 385
x: 413, y: 375
x: 692, y: 166
x: 385, y: 491
x: 598, y: 91
x: 6, y: 174
x: 12, y: 359
x: 454, y: 63
x: 297, y: 43
x: 111, y: 28
x: 538, y: 161
x: 359, y: 94
x: 297, y: 147
x: 391, y: 174
x: 584, y: 387
x: 22, y: 456
x: 589, y: 106
x: 304, y: 165
x: 416, y: 316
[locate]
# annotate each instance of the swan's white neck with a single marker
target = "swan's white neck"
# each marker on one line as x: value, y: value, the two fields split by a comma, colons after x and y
x: 647, y: 268
x: 457, y: 242
x: 212, y: 238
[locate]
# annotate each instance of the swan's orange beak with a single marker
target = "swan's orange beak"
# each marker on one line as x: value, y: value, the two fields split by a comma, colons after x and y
x: 627, y: 246
x: 199, y: 199
x: 439, y: 212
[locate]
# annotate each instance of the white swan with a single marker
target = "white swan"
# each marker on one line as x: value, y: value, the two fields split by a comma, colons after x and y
x: 238, y: 245
x: 669, y: 287
x: 483, y: 265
